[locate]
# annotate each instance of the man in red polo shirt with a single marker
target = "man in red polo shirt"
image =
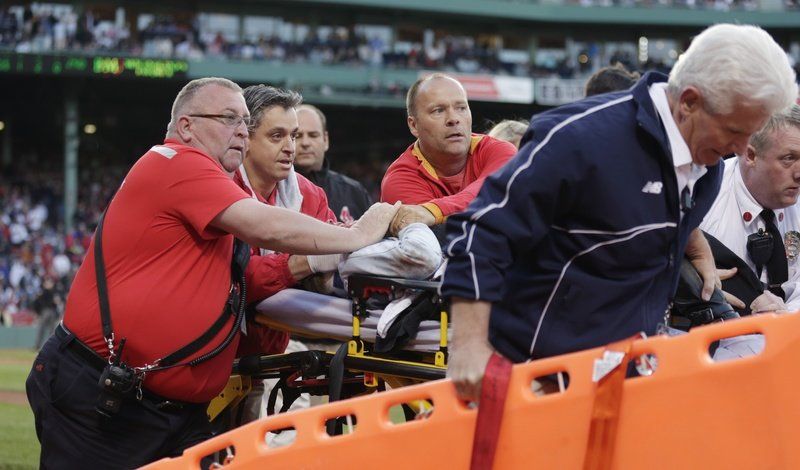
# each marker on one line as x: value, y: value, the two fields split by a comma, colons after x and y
x: 268, y: 175
x: 442, y: 172
x: 167, y: 244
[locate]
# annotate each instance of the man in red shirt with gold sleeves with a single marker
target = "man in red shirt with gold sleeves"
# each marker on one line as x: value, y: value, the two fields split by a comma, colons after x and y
x: 442, y: 172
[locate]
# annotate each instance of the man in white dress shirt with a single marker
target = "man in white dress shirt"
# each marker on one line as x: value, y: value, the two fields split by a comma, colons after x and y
x: 756, y: 217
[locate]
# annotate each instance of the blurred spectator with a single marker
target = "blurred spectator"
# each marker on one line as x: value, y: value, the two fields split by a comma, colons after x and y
x: 33, y: 247
x: 49, y: 306
x: 509, y: 130
x: 612, y: 78
x: 44, y: 27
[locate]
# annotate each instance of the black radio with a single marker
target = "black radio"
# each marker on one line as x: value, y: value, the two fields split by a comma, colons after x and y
x: 117, y: 382
x: 759, y: 247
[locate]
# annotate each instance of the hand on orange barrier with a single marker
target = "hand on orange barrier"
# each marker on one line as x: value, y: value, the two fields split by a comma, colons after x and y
x: 470, y: 349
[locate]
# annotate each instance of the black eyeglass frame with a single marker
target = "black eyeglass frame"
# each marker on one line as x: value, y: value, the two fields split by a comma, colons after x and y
x: 229, y: 120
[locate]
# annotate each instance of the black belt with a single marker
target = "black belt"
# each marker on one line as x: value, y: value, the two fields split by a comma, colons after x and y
x: 80, y: 349
x: 90, y: 357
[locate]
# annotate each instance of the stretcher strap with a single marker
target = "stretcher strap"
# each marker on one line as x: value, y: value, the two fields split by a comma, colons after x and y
x: 490, y: 412
x: 605, y: 411
x: 335, y: 382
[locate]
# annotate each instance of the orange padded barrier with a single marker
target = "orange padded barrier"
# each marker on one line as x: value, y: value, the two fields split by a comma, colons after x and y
x: 691, y: 413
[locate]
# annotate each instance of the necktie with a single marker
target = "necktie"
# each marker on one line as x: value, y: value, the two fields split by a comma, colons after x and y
x: 777, y: 266
x: 687, y: 201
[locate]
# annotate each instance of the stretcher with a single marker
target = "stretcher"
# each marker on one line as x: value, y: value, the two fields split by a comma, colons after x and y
x: 691, y: 413
x: 364, y: 363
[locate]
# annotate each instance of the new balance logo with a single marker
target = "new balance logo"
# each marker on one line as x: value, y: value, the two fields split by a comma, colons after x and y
x: 653, y: 187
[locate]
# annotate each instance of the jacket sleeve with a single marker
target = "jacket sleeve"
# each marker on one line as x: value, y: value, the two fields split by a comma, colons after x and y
x: 515, y: 209
x: 267, y: 275
x: 315, y: 201
x: 322, y: 210
x: 490, y: 159
x: 262, y: 339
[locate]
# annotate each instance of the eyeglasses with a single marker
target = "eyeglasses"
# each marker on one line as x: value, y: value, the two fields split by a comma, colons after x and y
x: 229, y: 120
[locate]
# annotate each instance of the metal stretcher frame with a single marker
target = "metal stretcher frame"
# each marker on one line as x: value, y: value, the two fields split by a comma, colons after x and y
x: 301, y: 371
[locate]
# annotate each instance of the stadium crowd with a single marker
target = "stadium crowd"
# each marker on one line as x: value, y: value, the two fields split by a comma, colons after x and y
x: 42, y: 28
x: 33, y: 246
x: 46, y: 30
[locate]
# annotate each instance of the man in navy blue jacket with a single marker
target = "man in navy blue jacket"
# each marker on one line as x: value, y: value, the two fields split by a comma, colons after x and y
x: 577, y: 241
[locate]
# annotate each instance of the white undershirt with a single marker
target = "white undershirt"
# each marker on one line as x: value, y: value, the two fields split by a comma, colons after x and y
x: 686, y: 170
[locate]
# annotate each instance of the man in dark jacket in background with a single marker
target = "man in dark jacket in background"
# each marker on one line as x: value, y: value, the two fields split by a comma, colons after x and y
x: 347, y: 197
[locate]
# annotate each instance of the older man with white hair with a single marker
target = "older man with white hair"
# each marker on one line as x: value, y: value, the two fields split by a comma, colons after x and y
x: 577, y: 241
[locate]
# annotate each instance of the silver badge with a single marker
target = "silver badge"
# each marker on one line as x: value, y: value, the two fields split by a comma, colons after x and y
x: 792, y: 243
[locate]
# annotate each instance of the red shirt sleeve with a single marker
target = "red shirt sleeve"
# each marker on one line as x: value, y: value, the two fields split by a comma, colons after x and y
x: 267, y: 275
x: 407, y: 185
x: 315, y: 201
x: 199, y: 191
x: 262, y: 339
x: 486, y: 159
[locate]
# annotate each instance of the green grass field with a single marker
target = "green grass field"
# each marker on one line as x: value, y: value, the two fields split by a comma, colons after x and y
x: 19, y: 448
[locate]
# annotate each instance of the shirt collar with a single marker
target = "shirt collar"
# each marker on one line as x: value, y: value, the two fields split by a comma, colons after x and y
x: 417, y: 152
x: 749, y: 208
x: 680, y: 151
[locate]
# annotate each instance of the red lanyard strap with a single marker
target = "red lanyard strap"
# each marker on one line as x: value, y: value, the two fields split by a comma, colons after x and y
x: 494, y: 390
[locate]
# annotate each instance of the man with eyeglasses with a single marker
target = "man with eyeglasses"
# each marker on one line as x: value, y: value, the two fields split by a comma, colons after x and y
x: 167, y: 273
x: 754, y: 224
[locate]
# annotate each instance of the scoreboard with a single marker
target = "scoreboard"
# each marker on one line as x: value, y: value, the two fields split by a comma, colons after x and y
x: 92, y: 66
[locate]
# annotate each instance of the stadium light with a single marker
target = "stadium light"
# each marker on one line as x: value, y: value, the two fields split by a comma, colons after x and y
x: 643, y: 52
x: 89, y: 129
x: 2, y: 125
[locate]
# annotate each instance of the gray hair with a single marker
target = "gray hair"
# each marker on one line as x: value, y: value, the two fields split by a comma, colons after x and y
x: 411, y: 96
x: 730, y: 63
x: 763, y: 139
x: 188, y: 92
x: 260, y: 98
x: 508, y: 129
